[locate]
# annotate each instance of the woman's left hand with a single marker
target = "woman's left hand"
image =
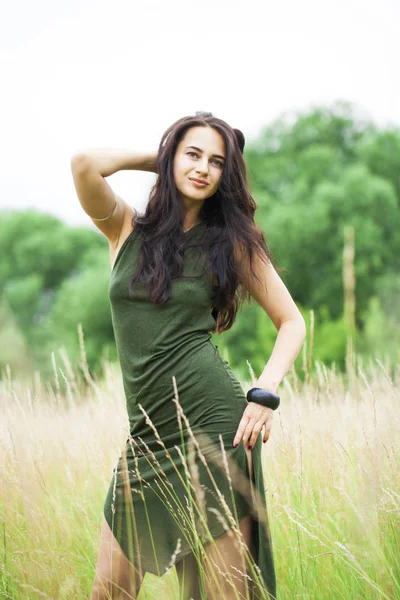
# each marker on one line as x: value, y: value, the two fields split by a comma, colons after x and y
x: 255, y: 417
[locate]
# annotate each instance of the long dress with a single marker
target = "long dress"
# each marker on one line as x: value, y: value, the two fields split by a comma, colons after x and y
x: 179, y: 479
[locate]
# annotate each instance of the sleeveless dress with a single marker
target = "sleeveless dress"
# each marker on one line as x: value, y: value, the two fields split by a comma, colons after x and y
x: 166, y: 490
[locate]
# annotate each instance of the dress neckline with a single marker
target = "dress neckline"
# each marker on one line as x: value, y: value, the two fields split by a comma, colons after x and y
x: 194, y: 227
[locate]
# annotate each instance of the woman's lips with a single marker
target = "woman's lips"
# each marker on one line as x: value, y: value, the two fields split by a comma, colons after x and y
x: 198, y: 184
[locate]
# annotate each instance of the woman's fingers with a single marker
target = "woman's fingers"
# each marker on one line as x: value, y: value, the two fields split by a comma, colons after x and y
x: 250, y: 426
x: 241, y: 430
x: 267, y: 431
x: 248, y: 433
x: 255, y: 433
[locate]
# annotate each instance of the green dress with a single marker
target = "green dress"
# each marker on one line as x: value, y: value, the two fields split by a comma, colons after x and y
x: 166, y: 491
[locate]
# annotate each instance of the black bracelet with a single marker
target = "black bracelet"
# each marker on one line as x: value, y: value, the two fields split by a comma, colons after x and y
x: 261, y: 396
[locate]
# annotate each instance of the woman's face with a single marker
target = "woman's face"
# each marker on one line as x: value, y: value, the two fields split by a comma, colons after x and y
x: 199, y: 156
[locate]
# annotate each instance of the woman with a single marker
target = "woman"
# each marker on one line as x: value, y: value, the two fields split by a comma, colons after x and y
x: 180, y: 272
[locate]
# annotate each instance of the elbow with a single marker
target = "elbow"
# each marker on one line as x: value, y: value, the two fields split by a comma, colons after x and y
x: 299, y: 325
x: 79, y: 161
x: 302, y: 327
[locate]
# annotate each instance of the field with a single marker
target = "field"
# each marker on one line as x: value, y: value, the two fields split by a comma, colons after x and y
x: 332, y: 476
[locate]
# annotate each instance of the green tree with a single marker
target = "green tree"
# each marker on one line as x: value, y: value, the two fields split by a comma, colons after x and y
x: 39, y: 253
x: 83, y: 299
x: 312, y: 174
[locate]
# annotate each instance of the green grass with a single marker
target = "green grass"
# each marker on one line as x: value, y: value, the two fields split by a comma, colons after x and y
x: 332, y: 476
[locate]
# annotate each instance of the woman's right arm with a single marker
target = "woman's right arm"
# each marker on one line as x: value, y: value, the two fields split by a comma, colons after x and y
x: 108, y: 211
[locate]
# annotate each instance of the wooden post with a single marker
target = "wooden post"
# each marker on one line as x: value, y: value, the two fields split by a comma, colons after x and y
x: 349, y: 285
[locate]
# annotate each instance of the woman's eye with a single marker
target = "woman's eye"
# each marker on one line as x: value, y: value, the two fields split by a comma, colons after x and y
x: 217, y: 162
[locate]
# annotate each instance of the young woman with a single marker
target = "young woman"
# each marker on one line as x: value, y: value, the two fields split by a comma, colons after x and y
x: 180, y: 272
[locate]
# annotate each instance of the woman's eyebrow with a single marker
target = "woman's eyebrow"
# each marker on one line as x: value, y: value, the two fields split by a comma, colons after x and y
x: 199, y: 150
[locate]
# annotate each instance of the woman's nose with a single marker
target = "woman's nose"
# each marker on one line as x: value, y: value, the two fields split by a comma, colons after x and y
x: 202, y: 166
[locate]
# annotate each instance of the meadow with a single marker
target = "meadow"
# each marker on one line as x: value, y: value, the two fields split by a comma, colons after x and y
x: 332, y: 479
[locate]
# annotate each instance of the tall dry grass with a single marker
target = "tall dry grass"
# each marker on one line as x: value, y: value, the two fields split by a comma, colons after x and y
x: 331, y: 472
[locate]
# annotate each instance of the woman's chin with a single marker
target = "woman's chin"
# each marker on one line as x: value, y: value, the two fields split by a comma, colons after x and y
x: 194, y: 194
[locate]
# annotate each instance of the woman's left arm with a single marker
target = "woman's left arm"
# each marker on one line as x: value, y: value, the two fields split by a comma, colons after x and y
x: 273, y: 296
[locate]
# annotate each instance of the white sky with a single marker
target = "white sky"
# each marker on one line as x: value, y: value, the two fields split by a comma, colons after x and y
x: 89, y: 73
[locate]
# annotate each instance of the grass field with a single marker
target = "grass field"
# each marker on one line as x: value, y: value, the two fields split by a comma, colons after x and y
x: 332, y: 476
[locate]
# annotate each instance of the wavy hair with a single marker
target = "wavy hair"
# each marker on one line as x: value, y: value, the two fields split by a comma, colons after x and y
x: 228, y: 216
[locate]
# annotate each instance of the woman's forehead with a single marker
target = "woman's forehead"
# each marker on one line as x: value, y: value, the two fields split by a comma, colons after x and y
x: 204, y: 138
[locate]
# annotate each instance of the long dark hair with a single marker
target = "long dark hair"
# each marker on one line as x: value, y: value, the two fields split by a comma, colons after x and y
x: 228, y: 216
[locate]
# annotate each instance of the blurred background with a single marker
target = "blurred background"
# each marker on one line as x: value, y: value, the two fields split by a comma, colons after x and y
x: 313, y: 87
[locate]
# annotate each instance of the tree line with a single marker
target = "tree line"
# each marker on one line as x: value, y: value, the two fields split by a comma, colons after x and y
x: 312, y: 175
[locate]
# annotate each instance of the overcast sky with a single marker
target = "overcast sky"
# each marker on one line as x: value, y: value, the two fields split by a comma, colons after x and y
x: 90, y: 73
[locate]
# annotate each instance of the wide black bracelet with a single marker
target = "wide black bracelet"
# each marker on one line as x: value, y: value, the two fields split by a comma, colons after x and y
x: 261, y: 396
